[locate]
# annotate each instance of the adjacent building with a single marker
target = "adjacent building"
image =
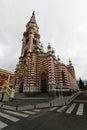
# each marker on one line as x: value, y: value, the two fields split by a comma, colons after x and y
x: 41, y: 72
x: 6, y: 78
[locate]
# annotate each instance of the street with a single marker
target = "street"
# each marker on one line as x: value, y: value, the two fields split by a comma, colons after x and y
x: 71, y: 117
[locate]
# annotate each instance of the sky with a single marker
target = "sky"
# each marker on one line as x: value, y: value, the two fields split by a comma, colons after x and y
x: 63, y: 23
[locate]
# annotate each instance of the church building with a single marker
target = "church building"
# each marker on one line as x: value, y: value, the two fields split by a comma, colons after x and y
x: 41, y: 72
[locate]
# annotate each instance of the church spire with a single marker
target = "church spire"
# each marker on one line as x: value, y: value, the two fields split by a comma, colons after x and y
x: 33, y: 19
x: 31, y: 37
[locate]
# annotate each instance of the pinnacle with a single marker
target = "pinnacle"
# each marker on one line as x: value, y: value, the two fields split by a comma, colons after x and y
x: 33, y: 20
x: 33, y: 13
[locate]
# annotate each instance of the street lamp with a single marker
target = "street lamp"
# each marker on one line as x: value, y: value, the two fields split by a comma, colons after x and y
x: 60, y: 92
x: 61, y: 88
x: 71, y: 87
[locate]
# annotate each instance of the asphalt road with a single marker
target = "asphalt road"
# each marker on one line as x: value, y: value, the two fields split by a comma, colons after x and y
x: 71, y: 117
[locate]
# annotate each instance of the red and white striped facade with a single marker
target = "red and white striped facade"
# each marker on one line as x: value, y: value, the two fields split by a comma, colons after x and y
x: 39, y: 71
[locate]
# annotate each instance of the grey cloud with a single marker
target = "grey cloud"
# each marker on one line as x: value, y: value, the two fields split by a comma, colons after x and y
x: 63, y: 23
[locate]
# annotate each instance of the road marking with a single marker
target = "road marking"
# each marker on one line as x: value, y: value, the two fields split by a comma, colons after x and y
x: 14, y: 119
x: 29, y: 112
x: 62, y: 109
x: 2, y: 125
x: 52, y: 109
x: 16, y: 113
x: 80, y: 110
x: 36, y: 110
x: 70, y: 109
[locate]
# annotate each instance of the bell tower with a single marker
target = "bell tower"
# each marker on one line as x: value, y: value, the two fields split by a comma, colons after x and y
x: 31, y: 37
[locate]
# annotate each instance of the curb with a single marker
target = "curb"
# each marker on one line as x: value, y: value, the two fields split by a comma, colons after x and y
x: 40, y: 105
x: 72, y: 98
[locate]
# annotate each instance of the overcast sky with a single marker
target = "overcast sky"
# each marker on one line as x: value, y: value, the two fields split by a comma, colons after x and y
x: 63, y: 23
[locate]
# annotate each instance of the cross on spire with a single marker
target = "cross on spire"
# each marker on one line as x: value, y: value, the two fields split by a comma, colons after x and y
x: 33, y: 13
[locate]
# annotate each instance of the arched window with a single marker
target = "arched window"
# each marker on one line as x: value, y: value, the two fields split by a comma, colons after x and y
x: 34, y: 41
x: 25, y: 52
x: 63, y: 76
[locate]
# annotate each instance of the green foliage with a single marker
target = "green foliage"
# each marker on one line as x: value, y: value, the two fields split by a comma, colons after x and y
x: 81, y: 84
x: 84, y: 88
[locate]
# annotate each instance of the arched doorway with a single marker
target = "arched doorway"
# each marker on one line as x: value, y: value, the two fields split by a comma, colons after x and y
x: 43, y: 82
x: 21, y: 87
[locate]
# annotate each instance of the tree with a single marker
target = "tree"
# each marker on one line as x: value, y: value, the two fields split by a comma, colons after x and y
x: 81, y: 84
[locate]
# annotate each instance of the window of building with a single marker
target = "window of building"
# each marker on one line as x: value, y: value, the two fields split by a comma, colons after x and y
x: 25, y: 52
x: 27, y: 41
x: 34, y: 41
x: 63, y: 76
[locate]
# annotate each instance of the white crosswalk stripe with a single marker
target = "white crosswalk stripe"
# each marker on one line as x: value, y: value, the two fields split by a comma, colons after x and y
x: 29, y: 112
x: 70, y: 109
x: 14, y: 116
x: 62, y: 109
x: 54, y: 108
x: 2, y: 125
x: 36, y: 110
x: 16, y: 113
x: 80, y: 110
x: 14, y: 119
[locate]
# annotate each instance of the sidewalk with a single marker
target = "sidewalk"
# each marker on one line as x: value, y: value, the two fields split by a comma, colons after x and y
x: 62, y: 100
x: 59, y: 101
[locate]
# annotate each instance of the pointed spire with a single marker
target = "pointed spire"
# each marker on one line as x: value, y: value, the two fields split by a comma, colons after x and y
x: 33, y: 20
x: 33, y: 13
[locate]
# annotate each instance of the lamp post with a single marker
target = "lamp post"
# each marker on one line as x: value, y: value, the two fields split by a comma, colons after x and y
x: 61, y: 88
x: 60, y: 92
x: 71, y: 87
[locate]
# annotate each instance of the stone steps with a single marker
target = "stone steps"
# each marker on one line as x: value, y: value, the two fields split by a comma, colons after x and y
x: 20, y: 99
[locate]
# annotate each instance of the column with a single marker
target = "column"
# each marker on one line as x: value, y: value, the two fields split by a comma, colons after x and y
x: 51, y: 76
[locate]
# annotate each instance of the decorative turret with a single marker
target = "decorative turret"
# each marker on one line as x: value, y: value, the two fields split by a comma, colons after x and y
x: 58, y: 59
x: 49, y: 47
x: 71, y: 68
x: 53, y: 52
x: 49, y: 51
x: 70, y: 63
x: 42, y: 49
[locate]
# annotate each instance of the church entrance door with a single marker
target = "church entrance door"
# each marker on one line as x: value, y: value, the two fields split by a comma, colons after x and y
x: 21, y: 87
x: 43, y: 82
x: 44, y: 86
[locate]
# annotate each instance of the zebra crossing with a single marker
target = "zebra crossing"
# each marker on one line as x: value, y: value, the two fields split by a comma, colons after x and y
x: 74, y: 108
x: 70, y: 109
x: 13, y: 116
x: 80, y: 110
x: 7, y: 116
